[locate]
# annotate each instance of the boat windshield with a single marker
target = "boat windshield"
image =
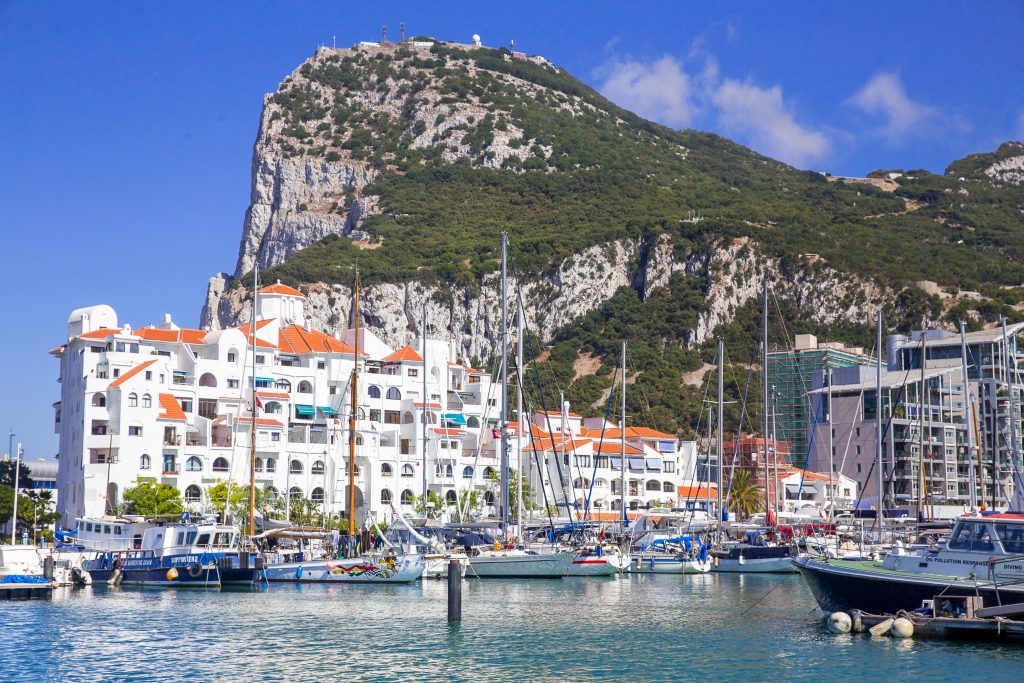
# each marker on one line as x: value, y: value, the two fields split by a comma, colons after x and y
x: 1012, y: 536
x: 974, y: 536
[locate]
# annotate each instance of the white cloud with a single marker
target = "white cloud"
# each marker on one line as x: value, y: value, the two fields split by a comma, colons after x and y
x: 884, y: 95
x: 760, y: 116
x: 660, y: 91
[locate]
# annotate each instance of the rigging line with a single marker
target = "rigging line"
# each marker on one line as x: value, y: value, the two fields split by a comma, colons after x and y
x: 600, y: 443
x: 543, y: 490
x: 739, y: 428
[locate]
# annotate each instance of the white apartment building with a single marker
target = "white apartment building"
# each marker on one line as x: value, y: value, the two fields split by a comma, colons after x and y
x: 173, y: 405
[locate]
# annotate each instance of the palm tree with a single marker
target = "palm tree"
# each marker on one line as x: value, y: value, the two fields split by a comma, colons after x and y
x: 744, y: 497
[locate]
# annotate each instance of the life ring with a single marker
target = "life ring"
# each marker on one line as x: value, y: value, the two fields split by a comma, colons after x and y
x: 195, y: 570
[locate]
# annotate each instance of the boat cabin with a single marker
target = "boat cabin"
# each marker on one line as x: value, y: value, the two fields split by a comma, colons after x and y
x: 184, y: 539
x: 108, y: 533
x: 997, y: 534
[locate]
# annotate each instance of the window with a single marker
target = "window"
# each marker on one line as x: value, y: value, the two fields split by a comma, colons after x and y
x: 407, y: 418
x: 448, y: 471
x: 407, y: 470
x: 194, y: 464
x: 193, y: 494
x: 133, y: 400
x: 667, y: 487
x: 392, y: 417
x: 407, y: 497
x: 204, y: 539
x: 147, y: 401
x: 489, y: 497
x: 120, y: 346
x: 373, y: 391
x: 149, y: 374
x: 232, y: 384
x: 96, y: 349
x: 317, y: 495
x: 272, y: 408
x: 473, y: 423
x: 858, y: 468
x: 232, y: 356
x: 275, y: 436
x: 208, y: 408
x: 385, y: 497
x: 394, y: 394
x: 321, y: 365
x: 653, y: 486
x: 272, y: 493
x: 413, y: 372
x: 467, y: 472
x: 374, y: 415
x: 443, y: 444
x: 186, y: 404
x: 207, y: 380
x: 264, y: 382
x: 490, y: 473
x: 144, y: 462
x: 295, y: 467
x: 99, y: 400
x: 220, y: 465
x: 261, y: 359
x: 271, y: 465
x: 294, y: 492
x: 386, y: 470
x: 669, y: 466
x: 405, y: 447
x: 283, y: 385
x: 318, y: 467
x: 134, y: 430
x: 257, y: 465
x: 305, y: 387
x: 451, y: 498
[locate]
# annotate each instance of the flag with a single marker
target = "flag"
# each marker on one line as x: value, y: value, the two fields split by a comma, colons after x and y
x: 496, y: 433
x: 259, y: 403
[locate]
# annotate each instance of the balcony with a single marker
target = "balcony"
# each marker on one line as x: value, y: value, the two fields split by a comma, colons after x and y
x: 172, y: 440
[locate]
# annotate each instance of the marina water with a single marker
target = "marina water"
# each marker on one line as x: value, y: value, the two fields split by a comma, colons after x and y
x: 715, y: 627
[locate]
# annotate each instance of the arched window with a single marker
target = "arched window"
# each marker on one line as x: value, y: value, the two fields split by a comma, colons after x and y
x: 144, y: 462
x: 273, y: 408
x: 451, y: 498
x: 448, y: 471
x: 133, y: 400
x: 193, y: 494
x: 257, y: 464
x: 385, y: 496
x: 317, y: 496
x: 295, y: 467
x: 356, y: 468
x: 653, y: 485
x: 273, y: 493
x: 147, y: 401
x: 385, y: 470
x: 489, y: 497
x: 194, y: 464
x: 220, y: 465
x: 407, y: 417
x: 616, y: 486
x: 490, y: 473
x: 667, y: 487
x: 634, y: 505
x: 616, y: 504
x: 294, y: 492
x: 232, y: 355
x: 472, y: 422
x: 467, y: 472
x: 271, y: 465
x: 407, y: 497
x: 581, y: 483
x: 99, y: 400
x: 318, y: 467
x: 283, y: 385
x: 600, y: 483
x: 373, y: 391
x: 207, y: 380
x: 394, y: 394
x: 305, y: 387
x: 407, y: 470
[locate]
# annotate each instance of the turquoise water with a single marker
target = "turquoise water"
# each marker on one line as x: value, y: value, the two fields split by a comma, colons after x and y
x: 717, y: 627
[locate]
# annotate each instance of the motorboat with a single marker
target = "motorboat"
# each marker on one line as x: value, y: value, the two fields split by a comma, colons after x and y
x: 386, y: 567
x: 684, y: 554
x: 983, y: 556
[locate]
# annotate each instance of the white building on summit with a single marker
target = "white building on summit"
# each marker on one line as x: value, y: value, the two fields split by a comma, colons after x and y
x: 174, y: 405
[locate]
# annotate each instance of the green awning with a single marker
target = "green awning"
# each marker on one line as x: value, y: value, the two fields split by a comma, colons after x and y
x: 328, y: 411
x: 265, y: 379
x: 305, y: 411
x: 456, y: 418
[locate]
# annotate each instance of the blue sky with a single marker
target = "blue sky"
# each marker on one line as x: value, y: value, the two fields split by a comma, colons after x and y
x: 127, y: 127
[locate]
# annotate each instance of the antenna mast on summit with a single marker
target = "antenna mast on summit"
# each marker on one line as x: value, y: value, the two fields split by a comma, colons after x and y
x: 383, y: 34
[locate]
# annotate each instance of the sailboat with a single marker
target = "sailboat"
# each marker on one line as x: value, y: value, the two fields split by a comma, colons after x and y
x: 502, y: 561
x: 386, y: 567
x: 756, y: 552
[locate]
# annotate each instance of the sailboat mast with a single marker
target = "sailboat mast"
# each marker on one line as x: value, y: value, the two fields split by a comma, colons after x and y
x: 833, y: 484
x: 425, y: 421
x: 922, y: 479
x: 721, y: 432
x: 764, y: 389
x: 504, y: 381
x: 1011, y: 377
x: 354, y: 401
x: 519, y: 417
x: 252, y: 433
x: 974, y: 476
x: 622, y: 443
x: 880, y: 473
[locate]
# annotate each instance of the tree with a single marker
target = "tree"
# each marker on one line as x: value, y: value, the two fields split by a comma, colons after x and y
x: 225, y: 496
x: 434, y: 503
x: 150, y: 498
x: 7, y: 474
x: 494, y: 486
x: 469, y: 500
x: 39, y: 512
x: 744, y: 497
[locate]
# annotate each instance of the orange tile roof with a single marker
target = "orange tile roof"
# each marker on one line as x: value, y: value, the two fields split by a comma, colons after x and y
x: 636, y: 433
x: 615, y: 447
x: 278, y: 288
x: 429, y: 405
x: 131, y: 373
x: 260, y: 324
x: 180, y: 335
x: 296, y: 339
x: 272, y: 394
x: 556, y: 412
x: 261, y: 421
x: 699, y: 491
x: 404, y: 355
x: 172, y: 409
x: 101, y: 333
x: 449, y: 432
x: 613, y: 516
x: 534, y: 429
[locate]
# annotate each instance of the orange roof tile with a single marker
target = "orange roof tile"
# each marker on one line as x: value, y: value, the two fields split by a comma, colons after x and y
x: 296, y: 339
x: 260, y: 324
x: 171, y: 408
x: 449, y: 432
x: 613, y: 516
x: 434, y: 406
x: 615, y: 447
x: 101, y: 333
x: 404, y: 355
x: 180, y: 335
x: 272, y: 394
x: 278, y: 288
x: 556, y: 413
x: 261, y: 421
x: 636, y: 433
x: 699, y: 491
x: 131, y: 373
